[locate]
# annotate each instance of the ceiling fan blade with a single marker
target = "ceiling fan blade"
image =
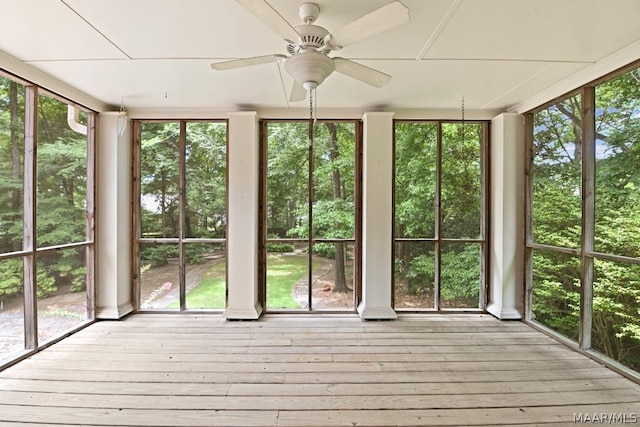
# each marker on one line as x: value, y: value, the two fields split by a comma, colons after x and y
x: 361, y: 72
x: 385, y: 18
x: 271, y: 18
x: 298, y: 93
x: 246, y: 62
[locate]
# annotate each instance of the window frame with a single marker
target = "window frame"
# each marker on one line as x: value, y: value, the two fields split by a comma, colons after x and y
x: 30, y: 249
x: 181, y: 240
x: 262, y: 223
x: 438, y: 240
x: 586, y: 251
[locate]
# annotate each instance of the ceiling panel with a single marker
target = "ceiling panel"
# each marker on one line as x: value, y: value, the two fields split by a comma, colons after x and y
x: 534, y: 84
x: 172, y: 84
x: 546, y: 30
x: 48, y: 30
x: 439, y: 84
x: 180, y: 29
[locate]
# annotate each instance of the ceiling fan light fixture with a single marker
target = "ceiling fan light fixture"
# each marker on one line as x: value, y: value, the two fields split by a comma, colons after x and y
x: 309, y: 68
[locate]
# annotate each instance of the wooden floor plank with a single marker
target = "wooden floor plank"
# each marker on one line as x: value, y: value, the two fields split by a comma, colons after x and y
x: 130, y: 417
x: 295, y: 370
x: 399, y: 402
x: 279, y: 389
x: 334, y: 349
x: 443, y: 417
x: 307, y: 357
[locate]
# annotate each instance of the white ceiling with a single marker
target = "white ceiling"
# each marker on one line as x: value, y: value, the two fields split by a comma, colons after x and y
x: 155, y: 54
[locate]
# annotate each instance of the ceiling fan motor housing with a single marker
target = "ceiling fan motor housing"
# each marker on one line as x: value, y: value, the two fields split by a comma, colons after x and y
x: 312, y: 37
x: 309, y: 68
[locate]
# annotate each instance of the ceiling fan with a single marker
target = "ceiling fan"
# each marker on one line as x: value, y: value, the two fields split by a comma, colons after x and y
x: 309, y: 45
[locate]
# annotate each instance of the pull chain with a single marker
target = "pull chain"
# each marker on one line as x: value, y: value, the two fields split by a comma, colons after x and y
x: 313, y: 103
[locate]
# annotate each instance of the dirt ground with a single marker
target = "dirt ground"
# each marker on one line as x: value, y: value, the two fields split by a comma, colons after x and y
x: 57, y: 313
x: 63, y: 310
x: 323, y: 297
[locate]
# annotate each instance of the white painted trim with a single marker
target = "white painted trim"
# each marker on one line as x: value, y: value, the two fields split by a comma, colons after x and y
x: 34, y: 75
x: 236, y: 313
x: 322, y: 113
x: 367, y: 312
x: 114, y: 313
x: 607, y: 65
x: 504, y: 313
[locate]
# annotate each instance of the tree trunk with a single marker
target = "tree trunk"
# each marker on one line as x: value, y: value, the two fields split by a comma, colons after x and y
x: 340, y: 284
x: 15, y: 154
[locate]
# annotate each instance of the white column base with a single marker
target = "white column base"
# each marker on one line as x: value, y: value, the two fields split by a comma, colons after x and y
x: 249, y: 313
x: 504, y: 313
x: 367, y: 312
x: 114, y: 313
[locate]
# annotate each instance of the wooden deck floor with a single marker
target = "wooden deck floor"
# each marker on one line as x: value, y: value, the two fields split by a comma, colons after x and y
x: 199, y: 370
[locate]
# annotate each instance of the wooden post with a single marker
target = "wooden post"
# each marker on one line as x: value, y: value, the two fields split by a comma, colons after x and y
x: 588, y: 214
x: 29, y: 216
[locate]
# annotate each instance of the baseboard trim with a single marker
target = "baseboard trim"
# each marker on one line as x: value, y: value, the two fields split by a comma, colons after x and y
x: 504, y: 313
x: 243, y: 313
x: 114, y: 312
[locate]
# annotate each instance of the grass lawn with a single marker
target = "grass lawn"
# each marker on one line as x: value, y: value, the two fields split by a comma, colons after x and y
x: 210, y: 292
x: 283, y: 272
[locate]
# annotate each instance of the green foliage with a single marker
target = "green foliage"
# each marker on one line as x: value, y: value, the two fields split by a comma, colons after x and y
x: 155, y: 255
x: 556, y: 291
x: 61, y: 193
x: 415, y: 177
x: 558, y: 212
x: 416, y: 173
x: 45, y: 283
x: 326, y: 250
x: 280, y: 247
x: 420, y: 275
x: 460, y: 275
x: 11, y: 282
x: 160, y: 254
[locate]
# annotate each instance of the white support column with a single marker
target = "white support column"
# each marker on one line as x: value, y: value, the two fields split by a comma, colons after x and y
x: 377, y: 182
x: 242, y: 228
x: 507, y: 217
x: 113, y: 219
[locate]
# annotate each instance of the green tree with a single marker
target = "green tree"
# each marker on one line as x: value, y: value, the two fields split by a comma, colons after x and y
x: 558, y: 157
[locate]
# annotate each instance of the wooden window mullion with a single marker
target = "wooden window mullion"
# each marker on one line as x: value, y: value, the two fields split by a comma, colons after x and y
x: 29, y: 227
x: 90, y: 216
x: 438, y: 215
x: 182, y: 214
x: 588, y: 215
